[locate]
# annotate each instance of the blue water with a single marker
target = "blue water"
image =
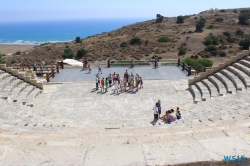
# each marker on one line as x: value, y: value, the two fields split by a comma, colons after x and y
x: 57, y: 31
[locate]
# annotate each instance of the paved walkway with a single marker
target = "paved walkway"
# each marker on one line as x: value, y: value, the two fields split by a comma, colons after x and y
x: 147, y: 73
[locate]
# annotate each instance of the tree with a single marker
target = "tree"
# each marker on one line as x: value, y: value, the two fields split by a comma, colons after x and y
x: 245, y: 43
x: 180, y: 19
x: 81, y: 53
x: 78, y: 39
x: 135, y: 40
x: 182, y: 51
x: 244, y: 17
x: 67, y: 53
x: 200, y: 24
x: 159, y: 18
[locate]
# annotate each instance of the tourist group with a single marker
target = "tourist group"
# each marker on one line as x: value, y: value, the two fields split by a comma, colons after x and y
x: 129, y: 82
x: 169, y: 116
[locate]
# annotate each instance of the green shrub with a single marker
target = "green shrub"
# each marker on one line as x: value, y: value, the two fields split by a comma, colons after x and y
x: 164, y: 39
x: 78, y: 39
x: 222, y: 47
x: 210, y: 48
x: 213, y: 53
x: 67, y: 53
x: 124, y: 44
x: 219, y: 20
x: 211, y: 27
x: 182, y: 51
x: 135, y: 40
x: 194, y: 64
x: 18, y: 53
x: 235, y: 11
x: 231, y: 40
x: 223, y: 10
x: 222, y: 54
x: 211, y: 40
x: 245, y: 43
x: 199, y: 67
x: 81, y: 53
x: 180, y: 19
x: 189, y: 61
x: 239, y: 32
x: 205, y: 62
x: 226, y: 33
x: 146, y: 42
x: 1, y: 56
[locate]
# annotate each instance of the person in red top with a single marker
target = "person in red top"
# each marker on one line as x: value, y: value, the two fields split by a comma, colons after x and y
x: 102, y: 84
x: 84, y: 64
x: 132, y: 62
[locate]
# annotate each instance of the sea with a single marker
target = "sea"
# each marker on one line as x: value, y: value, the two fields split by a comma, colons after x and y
x: 38, y: 32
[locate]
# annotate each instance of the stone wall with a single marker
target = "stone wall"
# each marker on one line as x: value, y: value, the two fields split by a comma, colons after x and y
x: 28, y: 76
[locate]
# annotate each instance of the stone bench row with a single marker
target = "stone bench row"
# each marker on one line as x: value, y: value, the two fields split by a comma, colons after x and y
x: 227, y: 81
x: 16, y: 90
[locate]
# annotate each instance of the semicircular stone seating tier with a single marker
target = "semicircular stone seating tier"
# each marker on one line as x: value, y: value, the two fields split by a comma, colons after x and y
x: 14, y: 89
x: 229, y: 79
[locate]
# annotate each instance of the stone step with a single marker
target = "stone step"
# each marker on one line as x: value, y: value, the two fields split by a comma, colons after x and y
x: 211, y: 87
x: 227, y: 83
x: 234, y: 78
x: 245, y: 62
x: 196, y: 93
x: 242, y: 68
x: 6, y: 81
x: 3, y: 76
x: 1, y: 72
x: 243, y: 76
x: 248, y: 58
x: 203, y: 91
x: 32, y: 96
x: 220, y: 86
x: 15, y: 92
x: 8, y: 88
x: 22, y: 97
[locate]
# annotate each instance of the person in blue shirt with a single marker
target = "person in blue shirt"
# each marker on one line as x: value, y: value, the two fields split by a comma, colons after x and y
x: 132, y: 75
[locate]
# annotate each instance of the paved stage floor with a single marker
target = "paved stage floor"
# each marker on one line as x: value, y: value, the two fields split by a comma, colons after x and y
x: 147, y: 73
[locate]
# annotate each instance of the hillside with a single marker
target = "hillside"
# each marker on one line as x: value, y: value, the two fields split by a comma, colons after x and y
x: 183, y: 35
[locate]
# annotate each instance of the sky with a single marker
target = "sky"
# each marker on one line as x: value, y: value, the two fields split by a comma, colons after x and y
x: 27, y: 10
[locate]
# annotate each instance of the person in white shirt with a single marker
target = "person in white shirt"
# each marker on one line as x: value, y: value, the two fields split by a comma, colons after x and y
x: 155, y: 108
x: 116, y: 86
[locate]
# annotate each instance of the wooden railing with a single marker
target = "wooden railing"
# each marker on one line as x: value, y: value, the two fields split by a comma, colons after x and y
x: 162, y: 62
x: 184, y: 67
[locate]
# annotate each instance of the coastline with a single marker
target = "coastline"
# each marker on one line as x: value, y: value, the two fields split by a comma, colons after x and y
x: 6, y: 48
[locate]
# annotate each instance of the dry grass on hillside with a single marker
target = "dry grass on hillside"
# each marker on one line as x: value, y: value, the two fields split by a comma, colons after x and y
x: 107, y: 45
